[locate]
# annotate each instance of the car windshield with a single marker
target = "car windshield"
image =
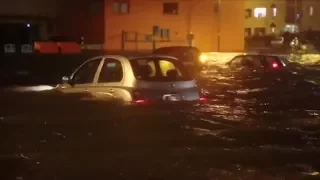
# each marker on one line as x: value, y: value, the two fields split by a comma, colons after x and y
x: 159, y: 69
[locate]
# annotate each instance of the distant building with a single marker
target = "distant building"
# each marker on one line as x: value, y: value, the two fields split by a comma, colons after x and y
x: 264, y: 17
x: 129, y: 24
x: 22, y: 20
x: 311, y: 15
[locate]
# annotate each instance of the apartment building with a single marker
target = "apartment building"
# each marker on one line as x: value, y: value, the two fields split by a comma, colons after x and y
x: 310, y: 15
x: 264, y: 17
x: 210, y: 25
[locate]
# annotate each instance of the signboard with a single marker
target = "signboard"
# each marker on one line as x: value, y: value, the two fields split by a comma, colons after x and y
x: 149, y: 37
x: 26, y: 48
x: 9, y: 48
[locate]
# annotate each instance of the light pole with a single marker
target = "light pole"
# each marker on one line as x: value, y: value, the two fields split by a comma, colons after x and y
x: 218, y: 24
x: 193, y: 5
x: 296, y: 14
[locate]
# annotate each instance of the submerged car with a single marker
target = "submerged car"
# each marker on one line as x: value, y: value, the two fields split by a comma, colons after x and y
x: 257, y: 62
x: 139, y: 80
x: 190, y: 57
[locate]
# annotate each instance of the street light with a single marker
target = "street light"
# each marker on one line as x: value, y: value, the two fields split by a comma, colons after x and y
x: 218, y: 7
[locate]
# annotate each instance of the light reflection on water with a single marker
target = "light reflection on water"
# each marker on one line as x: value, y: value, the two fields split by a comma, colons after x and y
x: 255, y: 103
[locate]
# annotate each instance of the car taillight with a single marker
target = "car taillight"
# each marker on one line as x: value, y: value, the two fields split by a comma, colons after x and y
x: 275, y: 65
x: 141, y: 101
x: 139, y: 98
x: 203, y: 99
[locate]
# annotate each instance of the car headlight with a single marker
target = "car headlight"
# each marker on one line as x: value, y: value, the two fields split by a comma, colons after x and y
x: 203, y: 58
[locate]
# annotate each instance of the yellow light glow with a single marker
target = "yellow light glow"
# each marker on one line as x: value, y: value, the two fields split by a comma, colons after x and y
x: 203, y: 58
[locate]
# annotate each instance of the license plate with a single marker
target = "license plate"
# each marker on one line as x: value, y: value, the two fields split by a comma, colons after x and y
x: 172, y: 97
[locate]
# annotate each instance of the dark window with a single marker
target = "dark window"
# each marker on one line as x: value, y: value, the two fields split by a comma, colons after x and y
x: 111, y: 71
x: 121, y: 7
x: 252, y: 61
x: 260, y: 31
x: 236, y: 62
x: 165, y: 34
x: 247, y: 32
x: 170, y: 8
x: 86, y: 72
x: 248, y: 13
x: 159, y: 69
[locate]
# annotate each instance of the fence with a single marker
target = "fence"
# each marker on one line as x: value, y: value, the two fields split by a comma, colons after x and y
x: 135, y: 41
x: 43, y: 48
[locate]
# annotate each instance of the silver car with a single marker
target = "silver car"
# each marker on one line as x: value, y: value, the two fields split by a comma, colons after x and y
x: 140, y: 80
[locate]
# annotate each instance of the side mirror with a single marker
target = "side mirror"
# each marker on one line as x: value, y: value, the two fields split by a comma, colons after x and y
x: 65, y: 80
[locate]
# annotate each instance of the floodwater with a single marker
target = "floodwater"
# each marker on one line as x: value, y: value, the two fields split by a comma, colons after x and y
x: 250, y: 128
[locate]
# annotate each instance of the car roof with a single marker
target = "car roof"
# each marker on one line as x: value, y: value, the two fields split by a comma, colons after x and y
x: 153, y: 56
x: 177, y: 47
x: 253, y: 54
x: 120, y: 57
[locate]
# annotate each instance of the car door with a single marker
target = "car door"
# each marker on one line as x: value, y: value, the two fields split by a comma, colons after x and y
x: 234, y: 68
x: 109, y: 80
x: 82, y: 80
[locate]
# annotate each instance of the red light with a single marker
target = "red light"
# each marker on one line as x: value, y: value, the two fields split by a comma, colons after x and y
x: 203, y: 99
x: 275, y: 65
x: 140, y: 101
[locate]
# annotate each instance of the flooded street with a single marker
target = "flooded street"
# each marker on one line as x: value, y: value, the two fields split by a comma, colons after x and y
x: 251, y: 127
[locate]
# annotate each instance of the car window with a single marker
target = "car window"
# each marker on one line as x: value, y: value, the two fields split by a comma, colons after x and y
x: 85, y: 74
x: 166, y: 66
x: 159, y: 69
x: 253, y: 61
x: 111, y: 71
x: 236, y: 62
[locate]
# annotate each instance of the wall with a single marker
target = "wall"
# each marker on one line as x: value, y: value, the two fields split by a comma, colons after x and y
x: 310, y: 20
x: 197, y: 17
x: 29, y: 7
x: 81, y: 18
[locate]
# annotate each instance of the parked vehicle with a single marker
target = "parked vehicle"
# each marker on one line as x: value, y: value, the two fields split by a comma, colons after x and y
x: 190, y: 57
x: 257, y: 62
x: 139, y: 80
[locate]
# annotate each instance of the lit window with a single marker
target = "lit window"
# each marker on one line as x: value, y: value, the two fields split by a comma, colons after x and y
x: 260, y: 12
x: 274, y: 12
x: 311, y: 11
x: 273, y: 29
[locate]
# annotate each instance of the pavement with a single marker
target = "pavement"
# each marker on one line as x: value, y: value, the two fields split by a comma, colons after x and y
x: 249, y: 129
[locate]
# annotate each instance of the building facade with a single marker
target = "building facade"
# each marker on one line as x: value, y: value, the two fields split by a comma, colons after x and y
x: 277, y: 16
x: 26, y: 20
x: 209, y: 25
x: 79, y: 19
x: 310, y: 15
x: 264, y: 17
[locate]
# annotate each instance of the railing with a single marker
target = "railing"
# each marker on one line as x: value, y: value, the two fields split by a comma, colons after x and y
x: 43, y: 48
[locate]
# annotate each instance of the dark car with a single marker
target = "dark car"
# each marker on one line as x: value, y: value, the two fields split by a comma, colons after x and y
x: 257, y: 62
x: 262, y: 68
x: 190, y: 56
